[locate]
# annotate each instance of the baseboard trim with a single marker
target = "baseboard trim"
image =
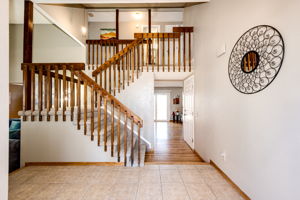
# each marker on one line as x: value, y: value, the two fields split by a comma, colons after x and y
x: 198, y: 155
x: 176, y: 163
x: 237, y: 188
x: 74, y: 164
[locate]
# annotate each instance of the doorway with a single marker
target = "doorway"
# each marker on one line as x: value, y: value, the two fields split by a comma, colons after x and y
x: 161, y: 106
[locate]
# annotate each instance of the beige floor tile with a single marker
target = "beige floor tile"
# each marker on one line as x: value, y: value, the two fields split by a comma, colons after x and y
x: 98, y: 192
x: 24, y: 191
x: 49, y: 192
x: 123, y: 192
x: 128, y: 177
x: 150, y: 191
x: 174, y: 191
x: 170, y: 176
x: 183, y: 167
x: 191, y: 176
x: 224, y: 191
x: 168, y: 167
x: 72, y: 192
x: 150, y: 176
x: 151, y: 167
x: 199, y: 191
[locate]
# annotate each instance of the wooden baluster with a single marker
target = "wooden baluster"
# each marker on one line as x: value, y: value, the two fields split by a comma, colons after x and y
x: 59, y: 93
x: 93, y: 57
x: 112, y: 132
x: 143, y: 63
x: 163, y: 52
x: 173, y: 54
x: 85, y: 107
x: 190, y: 53
x: 72, y: 93
x: 45, y: 87
x: 56, y: 93
x: 128, y: 69
x: 152, y: 50
x: 78, y: 102
x: 114, y: 69
x: 132, y: 64
x: 105, y: 52
x: 25, y: 71
x: 97, y: 56
x: 109, y: 49
x: 179, y: 49
x: 148, y: 54
x: 89, y: 55
x: 49, y: 91
x: 139, y: 143
x: 157, y: 52
x: 119, y: 132
x: 101, y: 54
x: 125, y: 138
x: 32, y: 91
x: 105, y: 79
x: 123, y: 69
x: 109, y: 79
x: 105, y: 123
x: 131, y: 143
x: 169, y: 52
x: 92, y: 112
x: 65, y: 93
x: 184, y: 56
x: 99, y: 116
x: 40, y: 91
x: 138, y: 61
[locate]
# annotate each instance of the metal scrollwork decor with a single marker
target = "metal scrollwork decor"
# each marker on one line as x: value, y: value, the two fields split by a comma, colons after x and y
x: 256, y: 59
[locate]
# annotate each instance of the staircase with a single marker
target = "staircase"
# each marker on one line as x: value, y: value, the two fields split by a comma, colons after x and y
x: 62, y: 91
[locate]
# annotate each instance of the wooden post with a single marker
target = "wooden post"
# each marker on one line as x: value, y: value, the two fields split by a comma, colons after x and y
x: 149, y: 31
x: 27, y: 47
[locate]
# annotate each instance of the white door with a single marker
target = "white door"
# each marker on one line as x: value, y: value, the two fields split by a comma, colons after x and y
x: 161, y: 106
x: 188, y: 111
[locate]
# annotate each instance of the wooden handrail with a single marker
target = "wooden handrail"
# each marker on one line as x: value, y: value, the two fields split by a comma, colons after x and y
x: 60, y: 66
x: 117, y: 57
x: 104, y: 93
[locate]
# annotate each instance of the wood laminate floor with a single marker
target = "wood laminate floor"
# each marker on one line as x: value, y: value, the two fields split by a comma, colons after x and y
x: 169, y: 145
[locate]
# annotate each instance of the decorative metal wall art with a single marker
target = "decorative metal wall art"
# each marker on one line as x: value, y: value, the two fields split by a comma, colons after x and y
x: 256, y: 59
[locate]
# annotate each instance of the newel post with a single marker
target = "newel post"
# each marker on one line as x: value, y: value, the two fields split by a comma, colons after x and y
x: 27, y: 47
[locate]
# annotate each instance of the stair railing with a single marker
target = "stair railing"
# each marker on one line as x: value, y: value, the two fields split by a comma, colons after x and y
x: 99, y: 51
x: 149, y: 51
x: 74, y: 89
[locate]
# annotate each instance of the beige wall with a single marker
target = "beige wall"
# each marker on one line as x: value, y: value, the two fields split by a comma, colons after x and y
x: 70, y: 20
x: 4, y: 102
x: 127, y: 29
x: 259, y: 133
x: 50, y: 44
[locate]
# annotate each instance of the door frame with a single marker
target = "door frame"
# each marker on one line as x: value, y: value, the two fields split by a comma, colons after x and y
x: 191, y: 77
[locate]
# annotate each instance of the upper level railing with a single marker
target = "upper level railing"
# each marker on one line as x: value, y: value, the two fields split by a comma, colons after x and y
x: 58, y: 86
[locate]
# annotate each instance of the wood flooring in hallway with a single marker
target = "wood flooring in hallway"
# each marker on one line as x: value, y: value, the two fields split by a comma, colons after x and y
x: 169, y: 145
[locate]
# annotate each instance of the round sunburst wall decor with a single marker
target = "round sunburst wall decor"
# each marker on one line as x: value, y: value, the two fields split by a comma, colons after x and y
x: 256, y: 59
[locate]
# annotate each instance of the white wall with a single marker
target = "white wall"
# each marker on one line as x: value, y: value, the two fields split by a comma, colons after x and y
x: 139, y: 97
x: 59, y: 142
x: 70, y: 20
x: 4, y: 51
x: 260, y: 132
x: 50, y: 44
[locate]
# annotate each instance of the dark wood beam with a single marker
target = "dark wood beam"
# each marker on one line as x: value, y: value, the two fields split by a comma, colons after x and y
x: 117, y: 24
x: 27, y: 46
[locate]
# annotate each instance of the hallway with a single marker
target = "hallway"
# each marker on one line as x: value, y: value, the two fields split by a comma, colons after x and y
x: 169, y: 145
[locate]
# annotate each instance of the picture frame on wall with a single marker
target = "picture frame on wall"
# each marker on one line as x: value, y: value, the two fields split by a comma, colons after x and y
x: 108, y: 33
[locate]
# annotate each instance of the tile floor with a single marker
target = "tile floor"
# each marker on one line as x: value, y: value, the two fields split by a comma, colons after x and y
x: 152, y: 182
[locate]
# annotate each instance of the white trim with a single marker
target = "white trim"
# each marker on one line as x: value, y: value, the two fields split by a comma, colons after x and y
x: 119, y: 1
